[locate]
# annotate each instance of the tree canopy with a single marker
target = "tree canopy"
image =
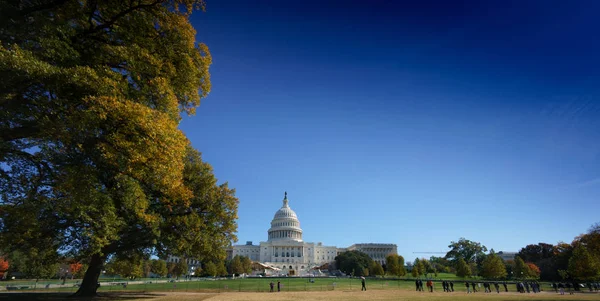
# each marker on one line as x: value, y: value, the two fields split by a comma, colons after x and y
x: 353, y: 262
x: 493, y: 267
x: 583, y: 265
x: 465, y: 249
x: 462, y: 268
x: 395, y: 265
x: 92, y: 163
x: 159, y: 267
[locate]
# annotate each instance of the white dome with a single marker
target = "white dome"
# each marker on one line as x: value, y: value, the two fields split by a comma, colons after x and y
x: 285, y: 224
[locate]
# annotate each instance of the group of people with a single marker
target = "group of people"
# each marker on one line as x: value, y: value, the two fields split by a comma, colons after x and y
x: 419, y: 285
x: 272, y: 285
x: 486, y: 285
x: 532, y: 286
x: 574, y: 286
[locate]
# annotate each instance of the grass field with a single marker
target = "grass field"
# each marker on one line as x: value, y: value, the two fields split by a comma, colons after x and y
x: 289, y: 284
x: 381, y: 295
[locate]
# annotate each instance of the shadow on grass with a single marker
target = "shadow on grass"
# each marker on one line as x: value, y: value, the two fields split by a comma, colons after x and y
x: 67, y: 296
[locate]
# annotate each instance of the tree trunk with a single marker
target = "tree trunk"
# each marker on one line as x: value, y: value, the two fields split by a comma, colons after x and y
x: 89, y: 285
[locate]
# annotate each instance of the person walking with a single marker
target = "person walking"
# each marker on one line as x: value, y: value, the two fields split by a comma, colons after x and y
x: 417, y: 284
x: 421, y: 285
x: 497, y: 286
x: 468, y: 287
x: 452, y: 286
x: 561, y: 288
x: 555, y: 287
x: 271, y: 285
x: 505, y: 287
x: 473, y: 285
x: 364, y: 287
x: 278, y: 285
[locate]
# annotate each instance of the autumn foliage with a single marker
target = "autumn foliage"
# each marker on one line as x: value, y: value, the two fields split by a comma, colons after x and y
x: 3, y: 267
x: 92, y: 158
x: 534, y: 271
x: 75, y: 267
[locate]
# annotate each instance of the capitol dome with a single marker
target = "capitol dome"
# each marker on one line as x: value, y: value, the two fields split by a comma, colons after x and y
x: 285, y: 224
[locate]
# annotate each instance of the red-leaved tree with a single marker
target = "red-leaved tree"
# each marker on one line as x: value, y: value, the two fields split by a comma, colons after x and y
x: 3, y: 267
x: 74, y: 268
x: 534, y: 271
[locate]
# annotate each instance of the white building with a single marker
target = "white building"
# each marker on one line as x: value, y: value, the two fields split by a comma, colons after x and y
x: 287, y: 253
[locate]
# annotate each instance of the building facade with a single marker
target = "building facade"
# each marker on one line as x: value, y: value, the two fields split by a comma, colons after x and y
x: 285, y: 252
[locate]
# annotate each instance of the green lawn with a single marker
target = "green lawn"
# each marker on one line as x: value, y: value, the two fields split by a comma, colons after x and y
x: 288, y: 284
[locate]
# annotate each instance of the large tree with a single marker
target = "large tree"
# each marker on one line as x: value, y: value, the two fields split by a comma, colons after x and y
x: 353, y: 262
x: 465, y: 249
x: 92, y: 163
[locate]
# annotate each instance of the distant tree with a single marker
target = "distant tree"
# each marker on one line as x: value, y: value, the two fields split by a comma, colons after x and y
x: 535, y: 253
x: 181, y: 268
x: 440, y: 263
x: 520, y: 268
x: 418, y: 268
x: 246, y: 264
x: 3, y: 267
x: 583, y: 265
x: 564, y: 274
x: 235, y: 265
x: 129, y: 268
x: 81, y: 271
x: 375, y: 269
x: 75, y: 268
x: 402, y: 271
x: 508, y: 265
x: 462, y: 268
x: 465, y: 249
x: 353, y: 260
x: 427, y: 267
x: 393, y: 265
x: 159, y: 267
x: 221, y: 268
x: 534, y: 270
x: 591, y: 240
x: 210, y: 269
x: 493, y: 267
x: 170, y: 268
x: 36, y: 263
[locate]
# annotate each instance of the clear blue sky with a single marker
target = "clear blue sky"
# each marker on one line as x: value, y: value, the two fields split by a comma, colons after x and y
x: 413, y: 124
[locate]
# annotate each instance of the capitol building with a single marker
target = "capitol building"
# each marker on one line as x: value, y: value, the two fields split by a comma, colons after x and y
x: 285, y: 252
